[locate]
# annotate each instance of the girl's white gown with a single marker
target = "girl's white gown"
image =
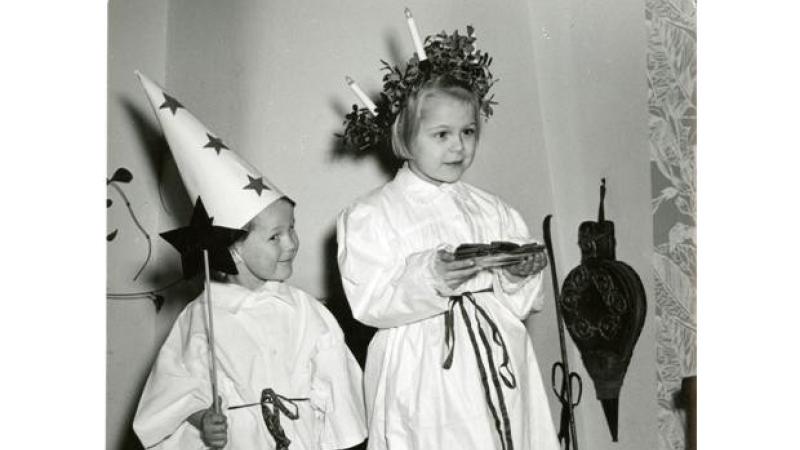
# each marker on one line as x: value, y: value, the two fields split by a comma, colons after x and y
x: 387, y: 242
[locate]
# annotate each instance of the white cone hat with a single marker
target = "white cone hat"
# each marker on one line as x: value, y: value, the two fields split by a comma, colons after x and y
x: 232, y: 190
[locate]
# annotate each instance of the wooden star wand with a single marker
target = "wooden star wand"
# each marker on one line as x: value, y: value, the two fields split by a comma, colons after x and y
x: 204, y: 243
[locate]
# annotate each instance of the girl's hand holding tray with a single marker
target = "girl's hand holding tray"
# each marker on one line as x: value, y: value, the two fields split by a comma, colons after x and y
x: 498, y: 253
x: 454, y: 271
x: 517, y: 260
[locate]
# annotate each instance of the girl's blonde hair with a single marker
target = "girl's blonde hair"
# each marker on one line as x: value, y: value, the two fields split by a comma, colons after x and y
x: 406, y: 124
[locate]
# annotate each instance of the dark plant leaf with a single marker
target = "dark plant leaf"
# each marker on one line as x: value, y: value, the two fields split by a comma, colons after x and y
x: 122, y: 175
x: 111, y: 235
x: 109, y: 203
x: 158, y: 300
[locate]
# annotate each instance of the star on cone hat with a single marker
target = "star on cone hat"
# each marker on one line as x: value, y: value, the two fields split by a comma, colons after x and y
x: 232, y: 190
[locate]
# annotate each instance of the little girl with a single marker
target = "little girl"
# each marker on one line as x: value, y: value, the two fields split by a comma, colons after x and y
x: 452, y: 365
x: 279, y: 352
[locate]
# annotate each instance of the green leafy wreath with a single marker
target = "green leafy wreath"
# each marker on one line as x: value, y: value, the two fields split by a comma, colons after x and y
x: 453, y: 54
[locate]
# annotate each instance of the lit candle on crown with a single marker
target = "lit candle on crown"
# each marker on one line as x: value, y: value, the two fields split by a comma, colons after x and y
x: 362, y: 96
x: 412, y: 28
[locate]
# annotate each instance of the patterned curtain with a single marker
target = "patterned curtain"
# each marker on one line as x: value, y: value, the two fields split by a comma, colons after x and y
x: 671, y: 74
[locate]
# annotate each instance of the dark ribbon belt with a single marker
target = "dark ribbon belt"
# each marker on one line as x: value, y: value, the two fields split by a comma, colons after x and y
x: 504, y: 371
x: 272, y: 405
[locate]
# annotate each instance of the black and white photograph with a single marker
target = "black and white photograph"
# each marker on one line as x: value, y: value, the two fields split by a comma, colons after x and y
x: 344, y: 224
x: 378, y: 225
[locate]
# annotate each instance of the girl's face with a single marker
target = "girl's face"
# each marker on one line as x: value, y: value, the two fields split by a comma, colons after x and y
x: 270, y: 247
x: 444, y: 146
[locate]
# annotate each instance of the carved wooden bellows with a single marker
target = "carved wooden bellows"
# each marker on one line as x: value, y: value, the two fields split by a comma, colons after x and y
x: 604, y: 306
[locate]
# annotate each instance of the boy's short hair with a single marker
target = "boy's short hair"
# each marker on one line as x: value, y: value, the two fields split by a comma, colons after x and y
x: 406, y: 123
x: 248, y: 227
x: 217, y: 275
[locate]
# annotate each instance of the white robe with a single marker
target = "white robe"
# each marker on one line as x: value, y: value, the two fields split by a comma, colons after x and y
x: 387, y: 243
x: 276, y: 336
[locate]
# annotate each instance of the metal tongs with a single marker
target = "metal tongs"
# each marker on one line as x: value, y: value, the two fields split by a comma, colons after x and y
x: 565, y: 392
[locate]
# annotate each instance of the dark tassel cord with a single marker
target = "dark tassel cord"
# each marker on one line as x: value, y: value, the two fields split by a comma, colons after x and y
x: 272, y: 415
x: 504, y: 372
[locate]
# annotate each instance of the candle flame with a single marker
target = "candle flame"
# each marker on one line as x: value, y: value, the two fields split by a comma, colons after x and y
x: 349, y: 80
x: 408, y: 13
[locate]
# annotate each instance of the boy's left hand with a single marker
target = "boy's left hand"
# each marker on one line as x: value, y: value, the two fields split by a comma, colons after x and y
x: 527, y: 267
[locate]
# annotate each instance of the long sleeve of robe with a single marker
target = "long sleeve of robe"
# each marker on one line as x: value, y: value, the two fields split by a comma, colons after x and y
x: 275, y: 337
x: 387, y: 242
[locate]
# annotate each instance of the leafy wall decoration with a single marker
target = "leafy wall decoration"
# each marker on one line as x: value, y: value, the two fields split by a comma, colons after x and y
x: 672, y: 102
x: 124, y: 176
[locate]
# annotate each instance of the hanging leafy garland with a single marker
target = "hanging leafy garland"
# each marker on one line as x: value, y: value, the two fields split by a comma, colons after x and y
x: 154, y: 296
x: 120, y: 177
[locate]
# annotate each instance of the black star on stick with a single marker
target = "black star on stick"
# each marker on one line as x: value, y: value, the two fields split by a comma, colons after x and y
x: 171, y: 103
x: 215, y: 143
x: 202, y: 235
x: 256, y: 184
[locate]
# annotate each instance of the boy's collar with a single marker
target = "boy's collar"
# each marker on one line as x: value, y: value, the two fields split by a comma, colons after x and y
x: 234, y: 297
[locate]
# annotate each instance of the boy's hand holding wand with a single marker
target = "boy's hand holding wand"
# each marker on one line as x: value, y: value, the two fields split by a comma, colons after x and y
x: 212, y: 242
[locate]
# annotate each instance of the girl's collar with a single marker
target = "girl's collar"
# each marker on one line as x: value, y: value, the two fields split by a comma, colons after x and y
x: 420, y: 189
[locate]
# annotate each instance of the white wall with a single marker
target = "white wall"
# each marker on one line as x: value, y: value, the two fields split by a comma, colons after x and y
x: 269, y: 80
x: 137, y: 39
x: 590, y: 61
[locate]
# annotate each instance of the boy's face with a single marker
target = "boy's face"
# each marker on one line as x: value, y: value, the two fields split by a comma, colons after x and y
x: 271, y: 245
x: 444, y: 146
